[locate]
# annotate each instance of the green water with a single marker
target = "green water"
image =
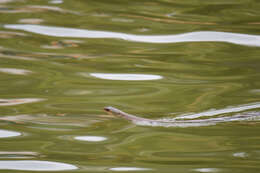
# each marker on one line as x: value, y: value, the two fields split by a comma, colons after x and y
x: 196, y: 76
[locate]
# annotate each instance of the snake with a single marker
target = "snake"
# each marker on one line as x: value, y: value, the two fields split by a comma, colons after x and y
x: 151, y: 122
x: 249, y: 116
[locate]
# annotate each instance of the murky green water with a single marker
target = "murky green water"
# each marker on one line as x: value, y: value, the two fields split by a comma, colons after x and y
x: 63, y: 61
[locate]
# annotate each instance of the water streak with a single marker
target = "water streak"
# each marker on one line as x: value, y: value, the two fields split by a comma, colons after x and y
x: 15, y: 71
x: 35, y: 165
x: 90, y: 138
x: 129, y: 169
x: 200, y: 36
x: 130, y: 77
x: 18, y: 154
x: 240, y: 154
x: 7, y: 133
x: 11, y: 102
x: 207, y: 170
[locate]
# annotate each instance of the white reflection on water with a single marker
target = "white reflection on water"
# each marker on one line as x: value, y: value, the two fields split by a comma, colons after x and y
x: 200, y: 36
x: 35, y: 165
x: 207, y: 170
x: 56, y: 1
x: 240, y: 154
x: 129, y: 169
x: 15, y: 71
x: 7, y: 133
x: 31, y: 20
x: 91, y: 138
x: 11, y: 102
x: 121, y: 76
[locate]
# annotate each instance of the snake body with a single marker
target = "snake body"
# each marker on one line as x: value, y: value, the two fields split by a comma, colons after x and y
x: 150, y: 122
x: 119, y: 113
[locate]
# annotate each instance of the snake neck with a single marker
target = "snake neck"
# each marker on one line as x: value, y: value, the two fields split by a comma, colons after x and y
x: 133, y: 117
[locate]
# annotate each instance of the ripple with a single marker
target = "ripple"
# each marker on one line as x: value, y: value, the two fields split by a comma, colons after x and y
x: 11, y: 102
x: 122, y: 20
x: 6, y: 34
x: 57, y: 122
x: 255, y: 91
x: 43, y: 8
x: 5, y: 1
x: 15, y: 71
x: 91, y: 138
x: 240, y: 154
x: 206, y: 170
x: 13, y: 55
x: 77, y: 92
x: 7, y: 133
x: 62, y: 44
x: 121, y: 76
x: 31, y: 21
x: 35, y: 165
x: 18, y: 155
x: 200, y: 36
x: 129, y: 169
x: 56, y: 1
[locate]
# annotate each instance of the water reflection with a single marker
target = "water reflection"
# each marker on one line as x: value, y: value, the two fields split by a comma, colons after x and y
x: 91, y: 138
x: 5, y: 1
x: 14, y: 55
x: 17, y: 154
x: 62, y: 44
x: 31, y: 21
x: 36, y: 9
x: 11, y: 102
x: 7, y: 133
x: 129, y: 169
x: 60, y: 121
x: 121, y: 76
x: 202, y: 36
x: 56, y: 1
x: 240, y: 154
x: 207, y: 170
x: 195, y: 77
x: 122, y: 20
x: 6, y: 34
x: 77, y: 92
x: 35, y: 165
x: 15, y: 71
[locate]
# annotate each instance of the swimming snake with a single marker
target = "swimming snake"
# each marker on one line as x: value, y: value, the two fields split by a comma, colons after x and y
x: 150, y: 122
x: 182, y: 122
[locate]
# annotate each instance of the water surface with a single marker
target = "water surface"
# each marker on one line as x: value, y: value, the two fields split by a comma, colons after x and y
x: 63, y: 61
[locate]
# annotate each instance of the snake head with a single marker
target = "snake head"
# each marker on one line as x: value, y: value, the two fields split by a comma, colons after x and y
x: 106, y: 109
x: 113, y: 111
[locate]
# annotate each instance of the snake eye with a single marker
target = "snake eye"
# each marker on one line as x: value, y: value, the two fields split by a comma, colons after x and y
x: 106, y: 109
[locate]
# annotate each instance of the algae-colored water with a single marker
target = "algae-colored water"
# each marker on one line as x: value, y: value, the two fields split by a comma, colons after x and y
x: 62, y: 61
